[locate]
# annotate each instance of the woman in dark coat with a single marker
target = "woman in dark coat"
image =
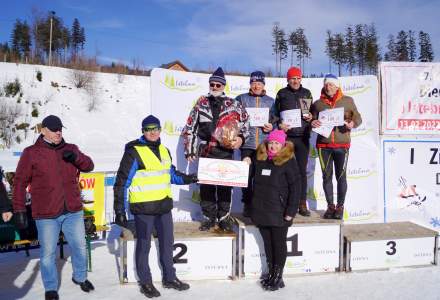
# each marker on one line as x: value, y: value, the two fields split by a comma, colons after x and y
x: 275, y: 201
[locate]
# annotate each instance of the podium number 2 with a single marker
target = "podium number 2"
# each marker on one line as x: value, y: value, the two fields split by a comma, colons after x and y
x: 183, y: 249
x: 392, y: 250
x: 294, y: 240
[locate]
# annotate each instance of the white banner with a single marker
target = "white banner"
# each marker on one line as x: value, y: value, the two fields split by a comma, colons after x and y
x: 174, y: 93
x: 310, y: 249
x: 411, y: 181
x: 392, y: 253
x: 410, y: 98
x: 195, y: 259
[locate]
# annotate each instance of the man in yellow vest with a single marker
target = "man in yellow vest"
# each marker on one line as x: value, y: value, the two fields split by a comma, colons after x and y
x: 144, y: 177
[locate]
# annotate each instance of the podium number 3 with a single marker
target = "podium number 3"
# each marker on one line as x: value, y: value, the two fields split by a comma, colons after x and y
x: 392, y: 250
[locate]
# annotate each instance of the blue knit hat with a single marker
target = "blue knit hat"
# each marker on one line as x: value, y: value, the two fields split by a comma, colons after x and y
x: 331, y: 78
x: 218, y: 76
x: 257, y: 76
x: 150, y: 121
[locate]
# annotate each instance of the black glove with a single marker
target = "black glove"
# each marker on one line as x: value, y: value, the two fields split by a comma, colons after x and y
x: 190, y: 178
x: 21, y: 220
x: 193, y: 178
x: 121, y: 219
x: 69, y: 156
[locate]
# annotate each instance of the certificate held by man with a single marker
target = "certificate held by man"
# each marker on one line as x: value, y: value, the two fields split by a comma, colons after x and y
x: 223, y: 172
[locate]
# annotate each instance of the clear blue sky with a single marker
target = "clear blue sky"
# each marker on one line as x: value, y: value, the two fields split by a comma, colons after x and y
x: 232, y: 34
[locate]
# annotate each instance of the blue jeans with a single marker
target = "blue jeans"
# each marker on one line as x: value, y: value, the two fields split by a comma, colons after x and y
x: 72, y: 225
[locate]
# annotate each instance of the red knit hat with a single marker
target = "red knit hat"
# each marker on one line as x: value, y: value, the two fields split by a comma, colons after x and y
x: 294, y: 72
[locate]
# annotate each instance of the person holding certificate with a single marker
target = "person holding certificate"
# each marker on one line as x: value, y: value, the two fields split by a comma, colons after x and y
x: 291, y: 110
x: 275, y: 201
x: 216, y: 126
x: 257, y: 105
x: 333, y: 148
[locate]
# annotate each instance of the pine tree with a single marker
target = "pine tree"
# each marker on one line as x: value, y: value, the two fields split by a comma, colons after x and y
x: 329, y: 49
x: 275, y: 43
x: 283, y: 48
x: 300, y: 46
x: 402, y: 46
x: 339, y: 56
x: 391, y: 55
x: 293, y: 42
x: 372, y: 53
x: 75, y: 37
x: 16, y: 38
x: 411, y: 46
x: 426, y: 52
x: 349, y: 49
x: 360, y: 47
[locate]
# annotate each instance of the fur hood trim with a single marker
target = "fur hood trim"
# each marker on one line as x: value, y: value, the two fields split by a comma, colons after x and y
x: 281, y: 158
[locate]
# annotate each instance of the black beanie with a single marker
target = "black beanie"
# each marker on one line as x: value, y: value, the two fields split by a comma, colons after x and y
x: 151, y: 121
x: 218, y: 76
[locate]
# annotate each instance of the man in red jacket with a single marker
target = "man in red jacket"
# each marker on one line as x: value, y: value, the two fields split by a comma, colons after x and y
x: 51, y: 167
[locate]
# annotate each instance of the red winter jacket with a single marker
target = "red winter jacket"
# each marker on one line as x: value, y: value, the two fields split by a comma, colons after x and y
x: 53, y: 181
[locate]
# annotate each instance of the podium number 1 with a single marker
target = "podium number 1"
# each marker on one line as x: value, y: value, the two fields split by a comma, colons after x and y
x: 392, y: 250
x: 294, y: 240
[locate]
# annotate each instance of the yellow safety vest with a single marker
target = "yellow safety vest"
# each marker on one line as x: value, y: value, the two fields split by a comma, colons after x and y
x: 154, y: 182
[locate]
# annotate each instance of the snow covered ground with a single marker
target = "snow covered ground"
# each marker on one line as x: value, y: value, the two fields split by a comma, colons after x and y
x: 20, y: 279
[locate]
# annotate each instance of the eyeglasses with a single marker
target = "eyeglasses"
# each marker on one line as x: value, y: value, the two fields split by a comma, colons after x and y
x: 295, y: 78
x: 151, y: 129
x: 217, y: 85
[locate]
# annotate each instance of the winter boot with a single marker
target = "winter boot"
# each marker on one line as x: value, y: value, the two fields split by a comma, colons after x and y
x: 149, y: 290
x: 265, y: 278
x: 175, y: 284
x: 276, y: 280
x: 226, y: 224
x: 207, y: 224
x: 329, y: 213
x: 86, y: 286
x: 51, y: 295
x: 302, y: 210
x: 339, y: 212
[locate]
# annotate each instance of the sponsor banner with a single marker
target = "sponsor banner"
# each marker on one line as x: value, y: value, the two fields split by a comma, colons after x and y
x: 174, y: 93
x: 310, y: 249
x: 392, y: 253
x: 92, y: 195
x: 411, y: 181
x: 410, y: 98
x: 196, y: 259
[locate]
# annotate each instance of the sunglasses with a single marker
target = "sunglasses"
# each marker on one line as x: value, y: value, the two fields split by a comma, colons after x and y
x: 151, y: 129
x: 217, y: 85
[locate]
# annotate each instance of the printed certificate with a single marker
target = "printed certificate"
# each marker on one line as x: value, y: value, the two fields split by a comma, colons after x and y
x: 223, y: 172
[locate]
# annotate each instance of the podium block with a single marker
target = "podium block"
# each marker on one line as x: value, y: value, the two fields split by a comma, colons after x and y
x: 382, y: 246
x: 313, y: 246
x: 197, y: 255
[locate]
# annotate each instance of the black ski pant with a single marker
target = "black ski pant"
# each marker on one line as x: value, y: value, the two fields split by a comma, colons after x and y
x: 338, y: 157
x: 275, y: 244
x: 301, y: 148
x: 215, y: 200
x: 247, y: 191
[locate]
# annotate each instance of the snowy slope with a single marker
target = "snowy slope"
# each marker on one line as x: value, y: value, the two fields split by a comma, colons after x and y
x: 123, y: 103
